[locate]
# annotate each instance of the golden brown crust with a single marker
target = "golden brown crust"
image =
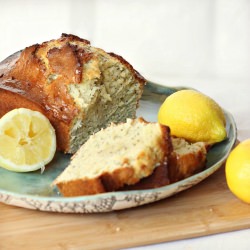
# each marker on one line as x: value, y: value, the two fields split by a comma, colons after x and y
x: 81, y: 187
x: 24, y: 81
x: 11, y: 99
x: 108, y: 181
x: 71, y: 37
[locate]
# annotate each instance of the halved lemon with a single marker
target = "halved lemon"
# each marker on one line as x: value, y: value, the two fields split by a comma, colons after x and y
x: 27, y: 140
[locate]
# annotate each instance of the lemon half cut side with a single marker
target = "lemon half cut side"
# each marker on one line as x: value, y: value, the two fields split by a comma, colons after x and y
x: 27, y: 140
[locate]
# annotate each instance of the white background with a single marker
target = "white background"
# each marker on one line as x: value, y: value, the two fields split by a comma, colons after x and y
x: 172, y: 38
x: 203, y: 44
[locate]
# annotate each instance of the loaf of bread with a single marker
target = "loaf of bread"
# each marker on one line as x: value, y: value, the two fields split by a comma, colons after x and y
x: 119, y: 155
x: 80, y: 88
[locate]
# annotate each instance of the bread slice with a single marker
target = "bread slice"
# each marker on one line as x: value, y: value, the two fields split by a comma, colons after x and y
x: 185, y: 160
x: 80, y: 88
x: 119, y: 155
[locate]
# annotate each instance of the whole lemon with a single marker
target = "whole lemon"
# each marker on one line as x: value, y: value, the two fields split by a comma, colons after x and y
x: 238, y: 171
x: 193, y: 116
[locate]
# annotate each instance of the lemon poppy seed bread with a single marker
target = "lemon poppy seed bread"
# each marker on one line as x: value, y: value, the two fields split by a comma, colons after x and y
x: 119, y: 155
x: 186, y: 159
x: 80, y: 88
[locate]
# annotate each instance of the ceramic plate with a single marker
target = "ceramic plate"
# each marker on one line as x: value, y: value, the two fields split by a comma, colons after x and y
x: 33, y: 190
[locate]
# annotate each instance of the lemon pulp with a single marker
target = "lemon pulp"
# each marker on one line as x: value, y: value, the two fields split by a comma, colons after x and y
x: 27, y: 140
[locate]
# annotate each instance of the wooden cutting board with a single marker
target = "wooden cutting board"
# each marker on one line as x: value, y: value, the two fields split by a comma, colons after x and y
x: 207, y: 208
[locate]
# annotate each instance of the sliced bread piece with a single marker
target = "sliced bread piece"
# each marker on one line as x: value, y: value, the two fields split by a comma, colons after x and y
x: 119, y: 155
x: 187, y: 159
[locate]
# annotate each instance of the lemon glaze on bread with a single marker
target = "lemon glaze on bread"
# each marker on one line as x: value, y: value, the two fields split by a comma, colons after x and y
x: 80, y: 88
x: 119, y: 155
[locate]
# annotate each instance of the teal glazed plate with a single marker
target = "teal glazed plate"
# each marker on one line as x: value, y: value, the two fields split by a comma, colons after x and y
x: 33, y: 190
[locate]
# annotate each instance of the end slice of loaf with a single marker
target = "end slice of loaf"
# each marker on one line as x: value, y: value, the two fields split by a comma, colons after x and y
x: 119, y: 155
x: 186, y: 160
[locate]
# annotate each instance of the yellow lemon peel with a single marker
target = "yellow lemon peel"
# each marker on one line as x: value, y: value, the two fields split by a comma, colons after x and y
x: 193, y: 116
x: 238, y: 171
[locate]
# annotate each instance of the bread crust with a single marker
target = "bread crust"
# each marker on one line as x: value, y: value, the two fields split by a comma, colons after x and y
x: 105, y: 183
x: 31, y: 76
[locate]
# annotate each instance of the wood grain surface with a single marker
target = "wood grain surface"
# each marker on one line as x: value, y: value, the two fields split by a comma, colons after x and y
x: 207, y: 208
